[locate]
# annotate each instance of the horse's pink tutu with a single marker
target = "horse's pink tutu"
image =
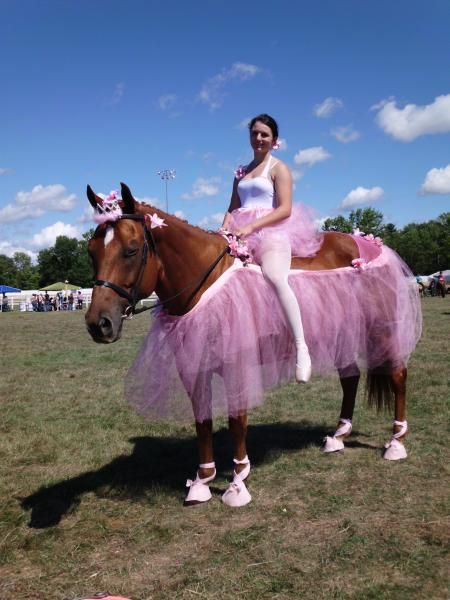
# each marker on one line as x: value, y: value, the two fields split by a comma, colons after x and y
x: 300, y: 228
x: 234, y: 344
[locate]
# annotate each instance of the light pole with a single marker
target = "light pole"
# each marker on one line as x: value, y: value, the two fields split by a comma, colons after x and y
x: 165, y: 175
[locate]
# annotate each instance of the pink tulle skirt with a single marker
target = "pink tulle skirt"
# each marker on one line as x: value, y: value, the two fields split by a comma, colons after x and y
x: 234, y: 345
x: 299, y: 228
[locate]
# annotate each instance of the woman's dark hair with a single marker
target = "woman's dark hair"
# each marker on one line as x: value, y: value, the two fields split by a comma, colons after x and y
x: 266, y: 120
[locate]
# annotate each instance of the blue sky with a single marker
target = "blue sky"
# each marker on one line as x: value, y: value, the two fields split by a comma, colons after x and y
x: 103, y: 91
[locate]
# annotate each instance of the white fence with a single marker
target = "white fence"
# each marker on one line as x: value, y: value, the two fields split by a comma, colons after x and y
x: 34, y: 301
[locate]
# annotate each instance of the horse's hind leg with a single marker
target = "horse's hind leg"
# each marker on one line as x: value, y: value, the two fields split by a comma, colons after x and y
x: 349, y: 386
x: 395, y: 449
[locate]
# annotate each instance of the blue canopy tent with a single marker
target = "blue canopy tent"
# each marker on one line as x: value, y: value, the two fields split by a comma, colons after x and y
x: 5, y: 289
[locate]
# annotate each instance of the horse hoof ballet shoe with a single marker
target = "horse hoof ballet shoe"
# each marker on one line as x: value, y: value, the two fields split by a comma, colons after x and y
x: 335, y: 443
x: 199, y: 491
x: 394, y: 450
x: 237, y: 494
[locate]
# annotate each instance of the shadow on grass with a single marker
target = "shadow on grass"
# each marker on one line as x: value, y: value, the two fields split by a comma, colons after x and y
x: 160, y: 463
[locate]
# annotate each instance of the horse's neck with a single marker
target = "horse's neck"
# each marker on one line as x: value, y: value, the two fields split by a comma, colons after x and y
x: 185, y: 254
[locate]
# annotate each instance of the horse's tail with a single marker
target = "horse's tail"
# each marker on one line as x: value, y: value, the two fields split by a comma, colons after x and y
x: 379, y: 391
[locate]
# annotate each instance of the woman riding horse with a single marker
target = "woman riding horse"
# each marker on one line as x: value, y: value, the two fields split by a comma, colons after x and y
x: 190, y: 361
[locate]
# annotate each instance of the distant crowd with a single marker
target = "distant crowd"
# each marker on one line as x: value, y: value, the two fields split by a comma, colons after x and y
x: 60, y: 301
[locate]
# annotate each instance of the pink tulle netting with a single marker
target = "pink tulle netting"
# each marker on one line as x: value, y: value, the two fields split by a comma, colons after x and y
x: 300, y: 228
x: 234, y: 345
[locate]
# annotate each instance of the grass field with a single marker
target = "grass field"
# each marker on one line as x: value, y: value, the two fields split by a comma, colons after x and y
x: 91, y: 494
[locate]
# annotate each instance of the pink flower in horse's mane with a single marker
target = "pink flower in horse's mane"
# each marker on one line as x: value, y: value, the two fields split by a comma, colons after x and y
x: 155, y: 221
x: 378, y: 241
x: 240, y: 172
x: 370, y: 237
x: 111, y: 196
x: 360, y: 264
x: 357, y: 231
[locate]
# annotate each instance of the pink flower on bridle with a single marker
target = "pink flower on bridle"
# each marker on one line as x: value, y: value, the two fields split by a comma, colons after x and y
x: 360, y: 264
x: 237, y: 247
x: 109, y: 209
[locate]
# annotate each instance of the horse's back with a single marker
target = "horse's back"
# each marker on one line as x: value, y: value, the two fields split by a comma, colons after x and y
x: 337, y: 250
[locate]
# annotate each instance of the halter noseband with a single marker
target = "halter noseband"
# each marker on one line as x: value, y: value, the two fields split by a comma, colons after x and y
x: 132, y: 297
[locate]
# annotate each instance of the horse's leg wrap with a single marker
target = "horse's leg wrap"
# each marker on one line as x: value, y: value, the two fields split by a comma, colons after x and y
x: 237, y: 493
x: 394, y: 449
x: 335, y: 443
x: 199, y: 491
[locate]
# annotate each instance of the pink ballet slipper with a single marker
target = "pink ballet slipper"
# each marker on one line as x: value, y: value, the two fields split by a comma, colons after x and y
x: 394, y: 449
x: 333, y: 444
x: 237, y: 493
x: 199, y: 491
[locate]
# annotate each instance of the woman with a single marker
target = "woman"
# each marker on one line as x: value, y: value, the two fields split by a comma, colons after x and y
x: 261, y: 211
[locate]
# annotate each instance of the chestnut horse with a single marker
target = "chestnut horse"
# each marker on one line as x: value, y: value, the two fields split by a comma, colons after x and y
x: 180, y: 262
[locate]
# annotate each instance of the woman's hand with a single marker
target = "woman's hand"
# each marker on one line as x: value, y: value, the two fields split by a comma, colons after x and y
x: 244, y: 231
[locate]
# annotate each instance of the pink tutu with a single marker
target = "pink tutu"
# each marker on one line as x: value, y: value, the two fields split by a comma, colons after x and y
x: 299, y: 227
x: 234, y: 345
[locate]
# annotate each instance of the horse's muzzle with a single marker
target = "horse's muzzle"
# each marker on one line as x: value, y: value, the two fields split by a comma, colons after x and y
x: 103, y: 330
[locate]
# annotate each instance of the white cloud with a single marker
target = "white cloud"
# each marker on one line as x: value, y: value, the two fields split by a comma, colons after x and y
x: 244, y: 123
x: 362, y: 195
x: 408, y: 123
x: 213, y: 91
x: 212, y: 221
x: 310, y: 156
x: 9, y: 249
x: 203, y: 187
x: 345, y: 134
x: 5, y: 171
x: 167, y: 101
x: 327, y: 107
x: 47, y: 236
x: 41, y: 199
x: 437, y: 181
x: 180, y: 214
x: 118, y: 93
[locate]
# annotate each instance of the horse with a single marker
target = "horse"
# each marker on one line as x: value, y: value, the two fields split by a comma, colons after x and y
x: 140, y: 249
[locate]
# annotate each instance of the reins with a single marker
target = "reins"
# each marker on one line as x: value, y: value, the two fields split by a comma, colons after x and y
x: 132, y: 297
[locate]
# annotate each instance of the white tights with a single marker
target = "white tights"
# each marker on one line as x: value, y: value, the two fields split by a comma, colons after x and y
x: 275, y: 259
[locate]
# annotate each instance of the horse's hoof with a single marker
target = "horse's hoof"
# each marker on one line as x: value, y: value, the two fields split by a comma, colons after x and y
x: 236, y: 494
x: 394, y: 450
x: 199, y: 491
x: 332, y: 444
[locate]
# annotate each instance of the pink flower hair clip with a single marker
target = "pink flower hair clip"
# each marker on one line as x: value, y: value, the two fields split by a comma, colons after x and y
x: 240, y: 172
x: 155, y: 221
x: 109, y: 209
x: 276, y: 145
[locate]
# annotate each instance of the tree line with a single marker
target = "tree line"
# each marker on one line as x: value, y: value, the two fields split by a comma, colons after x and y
x: 425, y: 247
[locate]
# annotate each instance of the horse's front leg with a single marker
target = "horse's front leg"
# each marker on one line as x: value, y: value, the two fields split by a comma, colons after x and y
x: 199, y: 491
x: 237, y: 493
x: 344, y: 427
x: 395, y: 449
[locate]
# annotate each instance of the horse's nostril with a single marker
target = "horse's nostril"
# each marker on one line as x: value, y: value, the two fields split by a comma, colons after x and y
x: 105, y: 325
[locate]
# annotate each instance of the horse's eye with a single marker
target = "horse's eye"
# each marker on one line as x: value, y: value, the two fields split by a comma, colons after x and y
x: 130, y: 252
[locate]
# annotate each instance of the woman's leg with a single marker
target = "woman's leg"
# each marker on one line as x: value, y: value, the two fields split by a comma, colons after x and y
x: 275, y: 259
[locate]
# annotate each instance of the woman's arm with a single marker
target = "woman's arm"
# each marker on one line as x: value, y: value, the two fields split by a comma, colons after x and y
x: 282, y: 180
x: 234, y: 203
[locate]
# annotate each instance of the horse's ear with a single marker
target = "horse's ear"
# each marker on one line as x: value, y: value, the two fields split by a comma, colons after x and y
x: 127, y: 199
x: 91, y: 197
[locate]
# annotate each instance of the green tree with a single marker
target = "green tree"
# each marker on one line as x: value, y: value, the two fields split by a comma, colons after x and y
x: 8, y: 271
x: 338, y: 223
x: 27, y: 275
x: 67, y: 259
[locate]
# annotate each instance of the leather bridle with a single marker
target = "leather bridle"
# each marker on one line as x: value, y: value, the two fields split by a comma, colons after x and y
x: 150, y: 243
